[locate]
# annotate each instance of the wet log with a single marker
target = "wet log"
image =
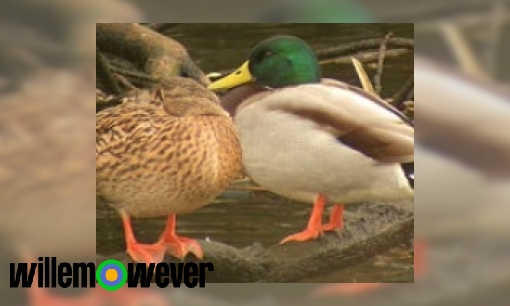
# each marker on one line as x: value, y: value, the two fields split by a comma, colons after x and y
x: 373, y: 229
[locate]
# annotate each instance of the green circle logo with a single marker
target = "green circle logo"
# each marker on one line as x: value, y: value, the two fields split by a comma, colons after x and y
x: 111, y: 275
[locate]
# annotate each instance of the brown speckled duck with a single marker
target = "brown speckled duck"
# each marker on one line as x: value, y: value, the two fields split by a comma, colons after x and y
x: 166, y: 152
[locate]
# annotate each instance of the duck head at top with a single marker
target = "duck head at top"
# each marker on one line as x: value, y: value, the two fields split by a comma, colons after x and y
x: 276, y: 62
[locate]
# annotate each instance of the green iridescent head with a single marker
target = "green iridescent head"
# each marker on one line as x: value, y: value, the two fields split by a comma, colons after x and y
x: 276, y: 62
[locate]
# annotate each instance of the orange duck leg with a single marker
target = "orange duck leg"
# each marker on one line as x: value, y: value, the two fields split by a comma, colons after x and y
x: 141, y: 253
x: 314, y: 228
x: 169, y: 242
x: 178, y: 246
x: 336, y: 219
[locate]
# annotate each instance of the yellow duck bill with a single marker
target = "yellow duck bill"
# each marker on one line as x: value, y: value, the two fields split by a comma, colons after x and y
x: 241, y: 76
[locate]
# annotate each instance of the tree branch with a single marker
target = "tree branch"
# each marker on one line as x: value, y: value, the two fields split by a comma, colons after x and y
x: 373, y: 230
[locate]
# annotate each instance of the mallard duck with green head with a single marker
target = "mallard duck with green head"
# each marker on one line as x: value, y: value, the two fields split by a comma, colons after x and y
x: 313, y: 139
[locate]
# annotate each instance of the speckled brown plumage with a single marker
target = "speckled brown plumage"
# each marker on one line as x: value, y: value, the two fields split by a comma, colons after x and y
x: 165, y: 151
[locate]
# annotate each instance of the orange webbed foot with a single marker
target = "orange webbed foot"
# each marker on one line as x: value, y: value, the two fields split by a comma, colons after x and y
x: 146, y: 253
x: 179, y: 247
x: 141, y: 253
x: 306, y: 235
x: 314, y: 228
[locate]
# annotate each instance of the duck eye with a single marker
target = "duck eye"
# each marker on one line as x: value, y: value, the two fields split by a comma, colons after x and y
x: 268, y: 54
x: 264, y: 55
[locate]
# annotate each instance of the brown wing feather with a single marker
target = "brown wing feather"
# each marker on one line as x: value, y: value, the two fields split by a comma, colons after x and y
x: 382, y: 138
x: 371, y: 97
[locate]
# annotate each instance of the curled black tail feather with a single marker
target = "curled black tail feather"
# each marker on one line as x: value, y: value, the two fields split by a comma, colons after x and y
x: 409, y: 172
